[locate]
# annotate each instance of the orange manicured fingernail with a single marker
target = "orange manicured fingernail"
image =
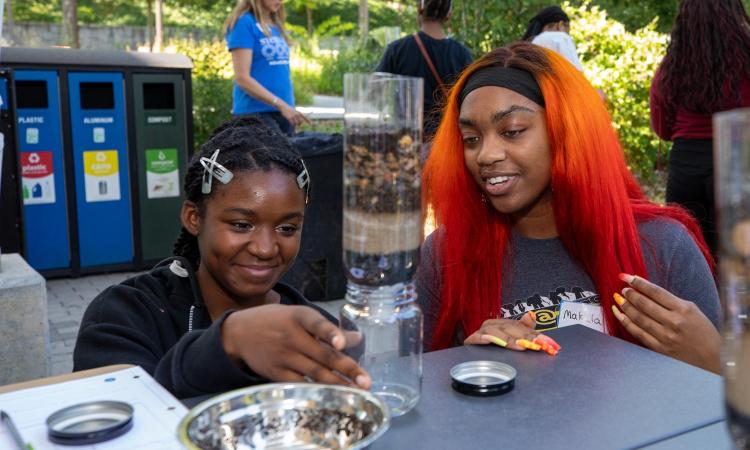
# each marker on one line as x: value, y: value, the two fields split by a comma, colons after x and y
x: 542, y: 344
x: 525, y: 343
x: 548, y: 340
x: 619, y: 299
x: 627, y: 278
x: 552, y: 352
x: 532, y: 314
x: 618, y: 314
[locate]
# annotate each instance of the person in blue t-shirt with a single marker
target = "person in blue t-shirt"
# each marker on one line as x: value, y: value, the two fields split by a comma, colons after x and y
x: 260, y: 55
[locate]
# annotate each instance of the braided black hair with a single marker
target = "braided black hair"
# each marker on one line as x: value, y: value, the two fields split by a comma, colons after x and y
x: 247, y: 145
x: 435, y: 10
x: 550, y: 14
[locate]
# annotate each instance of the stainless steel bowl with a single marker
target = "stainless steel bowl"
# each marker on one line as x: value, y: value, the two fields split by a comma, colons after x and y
x: 285, y: 416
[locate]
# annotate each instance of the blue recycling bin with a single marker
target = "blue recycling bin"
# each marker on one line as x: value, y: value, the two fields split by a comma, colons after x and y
x: 42, y: 169
x: 99, y: 149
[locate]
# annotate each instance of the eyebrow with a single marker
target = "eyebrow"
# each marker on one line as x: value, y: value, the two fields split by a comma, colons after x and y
x: 251, y: 213
x: 498, y: 115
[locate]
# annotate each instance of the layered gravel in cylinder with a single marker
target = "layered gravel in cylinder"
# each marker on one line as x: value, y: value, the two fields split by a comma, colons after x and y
x: 382, y: 211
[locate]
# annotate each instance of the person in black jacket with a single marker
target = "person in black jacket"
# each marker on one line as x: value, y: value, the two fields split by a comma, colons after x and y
x: 215, y: 317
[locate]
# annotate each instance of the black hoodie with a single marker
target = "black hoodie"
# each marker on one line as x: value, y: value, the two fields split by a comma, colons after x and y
x: 158, y: 321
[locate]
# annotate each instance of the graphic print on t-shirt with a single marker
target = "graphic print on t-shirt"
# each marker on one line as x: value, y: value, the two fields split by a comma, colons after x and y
x: 547, y: 308
x: 274, y: 49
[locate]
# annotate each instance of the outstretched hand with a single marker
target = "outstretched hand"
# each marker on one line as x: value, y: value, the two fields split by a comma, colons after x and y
x: 668, y: 324
x: 513, y: 334
x: 292, y: 343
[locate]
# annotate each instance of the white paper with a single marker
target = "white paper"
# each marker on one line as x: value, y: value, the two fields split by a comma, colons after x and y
x: 586, y: 314
x: 155, y: 417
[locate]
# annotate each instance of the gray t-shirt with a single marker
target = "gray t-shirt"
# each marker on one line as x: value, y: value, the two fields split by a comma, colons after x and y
x: 542, y: 275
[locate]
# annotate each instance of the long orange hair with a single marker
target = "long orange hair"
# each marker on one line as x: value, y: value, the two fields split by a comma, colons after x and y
x: 597, y: 201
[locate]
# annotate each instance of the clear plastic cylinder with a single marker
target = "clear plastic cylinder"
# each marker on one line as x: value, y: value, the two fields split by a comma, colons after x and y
x: 732, y: 177
x: 382, y: 230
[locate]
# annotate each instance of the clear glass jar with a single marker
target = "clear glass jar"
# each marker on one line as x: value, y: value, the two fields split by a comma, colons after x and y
x: 732, y: 156
x: 382, y: 230
x: 390, y: 323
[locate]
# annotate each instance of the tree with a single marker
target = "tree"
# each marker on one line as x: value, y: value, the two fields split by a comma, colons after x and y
x: 9, y: 13
x: 70, y: 23
x: 364, y: 21
x: 159, y: 31
x: 150, y: 24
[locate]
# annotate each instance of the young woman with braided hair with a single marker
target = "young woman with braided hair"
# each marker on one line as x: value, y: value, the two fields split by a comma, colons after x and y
x: 448, y: 57
x: 540, y: 222
x: 706, y: 70
x: 215, y: 317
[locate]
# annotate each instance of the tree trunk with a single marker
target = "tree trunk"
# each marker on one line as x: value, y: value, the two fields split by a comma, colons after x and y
x: 9, y: 13
x: 310, y: 27
x: 70, y: 23
x: 363, y: 21
x: 158, y: 35
x: 150, y: 24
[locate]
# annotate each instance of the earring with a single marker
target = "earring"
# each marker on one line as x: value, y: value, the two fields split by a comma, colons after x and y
x: 483, y: 198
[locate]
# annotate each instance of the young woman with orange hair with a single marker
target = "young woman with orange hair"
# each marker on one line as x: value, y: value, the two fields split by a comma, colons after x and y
x: 539, y: 219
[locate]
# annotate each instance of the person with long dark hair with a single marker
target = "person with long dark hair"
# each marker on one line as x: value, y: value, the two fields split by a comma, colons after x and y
x: 216, y: 317
x: 706, y: 70
x: 542, y: 225
x: 429, y: 54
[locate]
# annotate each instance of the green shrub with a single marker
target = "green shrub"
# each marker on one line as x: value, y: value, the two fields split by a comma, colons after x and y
x: 622, y: 64
x: 212, y: 84
x: 348, y: 60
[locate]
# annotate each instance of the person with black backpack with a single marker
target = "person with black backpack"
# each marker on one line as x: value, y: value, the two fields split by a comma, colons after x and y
x: 430, y: 54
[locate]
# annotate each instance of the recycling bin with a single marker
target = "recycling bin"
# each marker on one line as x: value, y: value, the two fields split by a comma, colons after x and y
x: 103, y: 141
x: 161, y: 154
x: 100, y: 155
x: 42, y: 163
x: 10, y: 208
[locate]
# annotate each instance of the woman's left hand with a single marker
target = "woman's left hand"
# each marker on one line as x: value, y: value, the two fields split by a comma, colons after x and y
x: 668, y: 324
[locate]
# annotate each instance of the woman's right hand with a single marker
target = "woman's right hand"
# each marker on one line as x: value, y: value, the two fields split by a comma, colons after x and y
x: 513, y: 334
x: 291, y: 343
x: 292, y: 115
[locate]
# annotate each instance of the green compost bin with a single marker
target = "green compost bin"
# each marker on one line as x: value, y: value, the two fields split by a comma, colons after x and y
x: 162, y: 146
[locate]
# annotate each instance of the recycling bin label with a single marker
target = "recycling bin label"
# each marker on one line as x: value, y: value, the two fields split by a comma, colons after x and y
x: 102, y: 175
x: 37, y: 178
x: 162, y: 176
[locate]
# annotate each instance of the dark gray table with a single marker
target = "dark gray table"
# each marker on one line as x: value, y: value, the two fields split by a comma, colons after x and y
x: 714, y: 437
x: 598, y: 393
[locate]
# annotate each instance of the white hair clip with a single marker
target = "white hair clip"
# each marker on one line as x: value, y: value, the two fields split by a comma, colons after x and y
x: 212, y: 169
x: 303, y: 180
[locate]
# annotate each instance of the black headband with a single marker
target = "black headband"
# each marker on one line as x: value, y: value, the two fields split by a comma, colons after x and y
x: 505, y: 77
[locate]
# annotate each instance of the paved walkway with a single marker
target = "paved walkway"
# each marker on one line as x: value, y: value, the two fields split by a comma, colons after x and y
x: 68, y: 298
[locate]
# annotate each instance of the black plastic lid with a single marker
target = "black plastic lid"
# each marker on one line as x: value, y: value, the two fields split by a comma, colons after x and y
x: 89, y: 423
x: 483, y: 378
